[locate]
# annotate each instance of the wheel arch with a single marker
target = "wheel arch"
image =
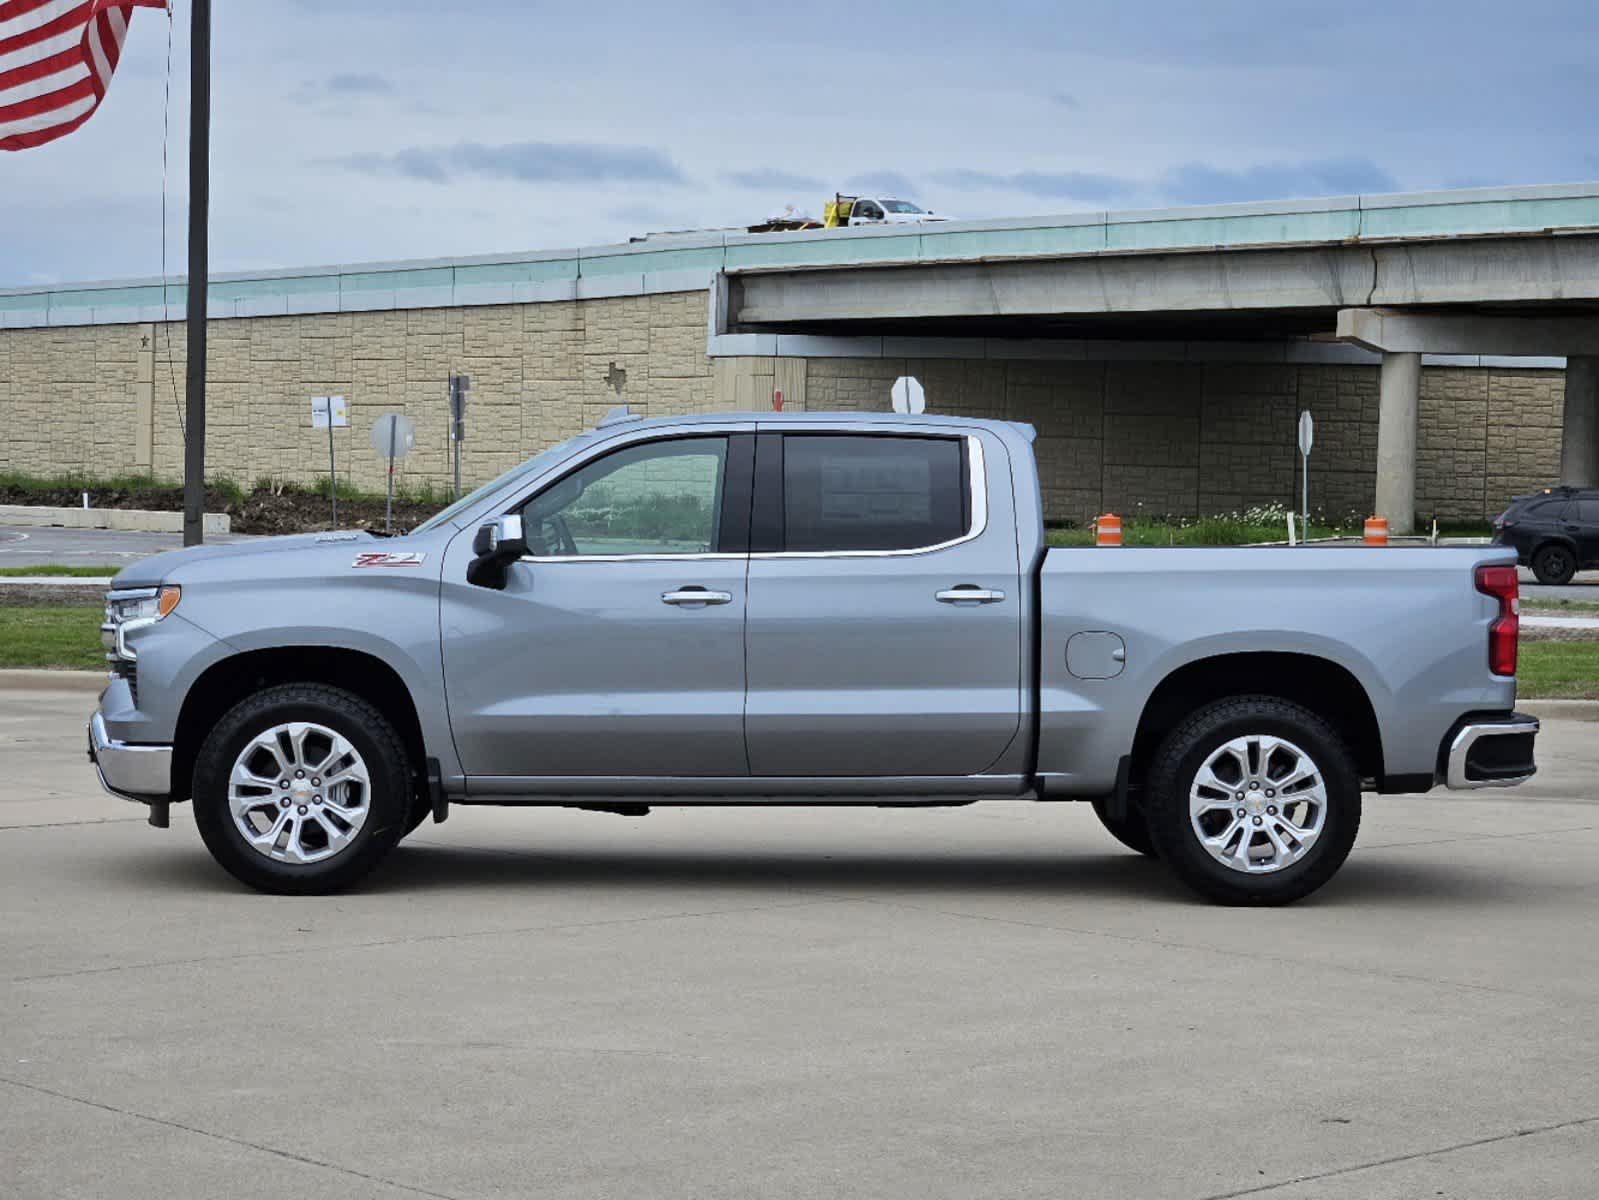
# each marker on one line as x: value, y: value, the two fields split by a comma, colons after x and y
x: 1545, y: 540
x: 1319, y: 684
x: 227, y: 681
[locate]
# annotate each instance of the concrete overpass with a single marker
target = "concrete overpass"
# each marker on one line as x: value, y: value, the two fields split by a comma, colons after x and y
x: 1508, y: 272
x: 1314, y: 293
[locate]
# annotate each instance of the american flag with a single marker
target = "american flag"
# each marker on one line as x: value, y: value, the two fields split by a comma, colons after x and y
x: 56, y: 59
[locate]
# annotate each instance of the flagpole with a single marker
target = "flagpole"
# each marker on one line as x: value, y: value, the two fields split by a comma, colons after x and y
x: 199, y: 206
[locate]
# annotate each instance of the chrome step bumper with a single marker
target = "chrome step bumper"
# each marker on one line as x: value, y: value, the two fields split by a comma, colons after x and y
x: 1491, y: 751
x: 142, y: 773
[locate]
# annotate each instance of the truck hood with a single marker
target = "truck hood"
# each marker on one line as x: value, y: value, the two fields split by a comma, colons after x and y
x: 160, y: 568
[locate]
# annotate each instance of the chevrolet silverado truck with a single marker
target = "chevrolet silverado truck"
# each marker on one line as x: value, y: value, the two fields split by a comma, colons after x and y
x: 813, y: 609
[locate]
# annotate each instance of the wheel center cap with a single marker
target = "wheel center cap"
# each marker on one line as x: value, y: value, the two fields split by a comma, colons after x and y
x: 1255, y: 801
x: 300, y: 791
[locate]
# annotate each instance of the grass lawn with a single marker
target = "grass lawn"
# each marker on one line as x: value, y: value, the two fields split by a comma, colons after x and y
x: 1207, y: 531
x: 68, y: 635
x: 1555, y: 608
x: 1558, y: 671
x: 52, y: 635
x: 56, y: 571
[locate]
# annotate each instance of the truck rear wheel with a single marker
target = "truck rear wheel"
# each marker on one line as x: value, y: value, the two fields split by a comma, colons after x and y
x: 301, y: 789
x: 1130, y: 829
x: 1254, y: 800
x: 1554, y: 564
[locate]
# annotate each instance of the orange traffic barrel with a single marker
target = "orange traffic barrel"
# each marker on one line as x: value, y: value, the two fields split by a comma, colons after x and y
x: 1376, y: 531
x: 1107, y: 530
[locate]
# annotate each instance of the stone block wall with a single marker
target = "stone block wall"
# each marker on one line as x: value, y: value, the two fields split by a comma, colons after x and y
x: 1151, y: 437
x: 1189, y: 439
x: 71, y: 397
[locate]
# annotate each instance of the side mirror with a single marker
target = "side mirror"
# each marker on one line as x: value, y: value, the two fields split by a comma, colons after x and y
x: 497, y: 543
x: 500, y: 538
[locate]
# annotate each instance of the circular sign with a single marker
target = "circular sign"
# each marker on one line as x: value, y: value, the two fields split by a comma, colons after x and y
x: 908, y: 395
x: 394, y: 434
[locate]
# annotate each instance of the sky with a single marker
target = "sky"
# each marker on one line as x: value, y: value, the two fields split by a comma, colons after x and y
x: 371, y: 130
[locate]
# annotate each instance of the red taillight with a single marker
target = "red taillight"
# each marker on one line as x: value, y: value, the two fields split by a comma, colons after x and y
x: 1501, y: 583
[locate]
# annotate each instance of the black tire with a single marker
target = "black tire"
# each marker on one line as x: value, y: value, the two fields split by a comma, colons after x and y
x: 1188, y: 747
x: 1131, y: 830
x: 389, y: 799
x: 1554, y: 564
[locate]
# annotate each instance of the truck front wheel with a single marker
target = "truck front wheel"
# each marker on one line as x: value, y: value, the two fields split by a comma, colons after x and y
x: 301, y: 789
x: 1254, y: 800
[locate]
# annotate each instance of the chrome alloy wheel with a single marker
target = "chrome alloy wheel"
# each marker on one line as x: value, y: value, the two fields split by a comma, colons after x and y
x: 299, y: 793
x: 1258, y: 804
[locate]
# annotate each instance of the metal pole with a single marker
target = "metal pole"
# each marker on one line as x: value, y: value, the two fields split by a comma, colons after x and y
x: 457, y: 412
x: 388, y: 500
x: 333, y: 477
x: 1304, y: 489
x: 199, y: 268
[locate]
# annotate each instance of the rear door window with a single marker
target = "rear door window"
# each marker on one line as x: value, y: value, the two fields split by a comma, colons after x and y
x: 873, y: 492
x: 1588, y: 512
x: 1546, y: 510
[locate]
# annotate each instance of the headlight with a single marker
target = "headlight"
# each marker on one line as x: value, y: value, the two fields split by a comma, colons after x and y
x: 134, y: 608
x: 142, y: 604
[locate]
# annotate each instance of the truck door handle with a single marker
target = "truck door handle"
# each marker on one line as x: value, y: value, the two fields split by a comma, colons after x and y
x: 696, y: 596
x: 968, y: 594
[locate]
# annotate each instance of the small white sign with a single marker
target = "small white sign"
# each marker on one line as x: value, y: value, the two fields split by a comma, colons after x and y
x: 329, y: 411
x: 908, y: 395
x: 1307, y: 432
x: 393, y: 432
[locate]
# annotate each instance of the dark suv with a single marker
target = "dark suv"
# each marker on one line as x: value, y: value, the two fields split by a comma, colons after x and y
x: 1554, y: 531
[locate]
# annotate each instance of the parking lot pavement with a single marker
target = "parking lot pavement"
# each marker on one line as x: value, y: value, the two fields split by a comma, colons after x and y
x: 88, y: 547
x: 1584, y: 585
x: 987, y: 1001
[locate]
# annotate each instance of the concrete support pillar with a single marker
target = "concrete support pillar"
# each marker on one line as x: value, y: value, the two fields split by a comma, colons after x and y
x: 1579, y: 439
x: 1399, y: 405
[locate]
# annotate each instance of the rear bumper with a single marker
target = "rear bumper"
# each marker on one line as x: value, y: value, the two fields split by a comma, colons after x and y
x: 1490, y: 750
x: 142, y: 773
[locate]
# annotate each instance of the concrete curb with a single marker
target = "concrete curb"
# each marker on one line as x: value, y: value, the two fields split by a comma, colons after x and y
x: 1561, y: 710
x: 44, y: 581
x: 88, y: 682
x: 128, y: 519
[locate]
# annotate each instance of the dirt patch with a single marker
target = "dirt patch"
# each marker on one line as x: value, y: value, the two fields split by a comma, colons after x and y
x: 264, y: 510
x: 300, y: 512
x: 49, y: 593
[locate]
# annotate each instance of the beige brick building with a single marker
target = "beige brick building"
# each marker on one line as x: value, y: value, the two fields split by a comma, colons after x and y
x: 1133, y: 436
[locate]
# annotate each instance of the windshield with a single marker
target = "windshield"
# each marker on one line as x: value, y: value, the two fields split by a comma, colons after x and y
x: 537, y: 463
x: 902, y: 206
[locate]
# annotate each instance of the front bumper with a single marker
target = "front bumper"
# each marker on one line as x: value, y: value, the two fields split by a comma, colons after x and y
x: 133, y: 772
x: 1490, y: 750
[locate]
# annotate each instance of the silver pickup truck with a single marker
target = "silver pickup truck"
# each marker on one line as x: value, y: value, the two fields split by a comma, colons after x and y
x: 800, y: 609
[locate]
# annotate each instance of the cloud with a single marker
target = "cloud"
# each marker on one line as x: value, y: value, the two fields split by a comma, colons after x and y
x: 523, y: 162
x: 1201, y: 183
x: 359, y: 84
x: 1088, y: 186
x: 773, y: 179
x: 888, y: 183
x: 1187, y: 183
x: 1064, y: 100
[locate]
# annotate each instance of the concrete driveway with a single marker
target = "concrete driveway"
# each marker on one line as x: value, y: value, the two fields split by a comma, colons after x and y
x: 994, y: 1001
x: 88, y: 547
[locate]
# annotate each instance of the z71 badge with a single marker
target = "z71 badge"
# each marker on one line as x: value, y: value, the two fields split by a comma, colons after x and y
x: 381, y: 558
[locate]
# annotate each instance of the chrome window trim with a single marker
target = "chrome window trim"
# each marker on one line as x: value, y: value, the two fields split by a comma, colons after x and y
x: 976, y: 470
